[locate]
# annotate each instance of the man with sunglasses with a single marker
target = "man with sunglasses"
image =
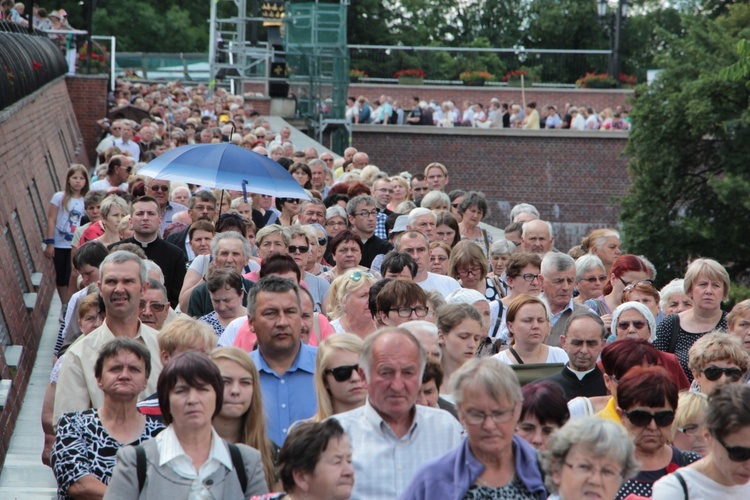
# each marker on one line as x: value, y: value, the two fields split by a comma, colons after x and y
x: 159, y: 190
x: 393, y: 435
x: 118, y: 172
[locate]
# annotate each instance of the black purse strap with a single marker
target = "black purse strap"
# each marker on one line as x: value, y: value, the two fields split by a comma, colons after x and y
x: 238, y: 464
x: 682, y: 482
x: 140, y: 466
x: 515, y: 355
x: 674, y: 333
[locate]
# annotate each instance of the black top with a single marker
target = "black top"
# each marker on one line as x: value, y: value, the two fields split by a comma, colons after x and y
x: 372, y: 248
x: 592, y: 384
x: 169, y: 258
x: 178, y: 239
x: 200, y: 300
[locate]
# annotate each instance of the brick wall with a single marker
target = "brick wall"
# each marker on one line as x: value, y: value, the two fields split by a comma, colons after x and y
x: 598, y: 99
x: 573, y: 178
x: 89, y: 97
x: 40, y: 139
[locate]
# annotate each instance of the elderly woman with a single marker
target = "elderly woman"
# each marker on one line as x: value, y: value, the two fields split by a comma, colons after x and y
x: 687, y: 428
x: 401, y: 192
x: 500, y: 252
x: 605, y: 244
x: 722, y: 473
x: 338, y: 384
x: 626, y: 269
x: 544, y: 411
x: 460, y: 332
x: 200, y: 235
x: 437, y: 201
x: 225, y: 288
x: 528, y: 320
x: 707, y: 285
x: 717, y: 359
x: 673, y: 299
x: 738, y: 321
x: 588, y: 458
x: 347, y: 249
x: 446, y: 229
x: 590, y: 278
x: 646, y: 404
x: 468, y: 265
x: 440, y: 253
x: 189, y: 455
x: 316, y: 463
x: 492, y: 462
x: 86, y: 442
x: 473, y: 209
x: 349, y: 308
x: 241, y: 419
x: 336, y: 220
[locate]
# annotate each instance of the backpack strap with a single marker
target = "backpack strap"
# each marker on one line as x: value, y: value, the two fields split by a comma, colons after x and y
x: 682, y: 482
x: 674, y: 333
x: 140, y: 466
x: 238, y: 464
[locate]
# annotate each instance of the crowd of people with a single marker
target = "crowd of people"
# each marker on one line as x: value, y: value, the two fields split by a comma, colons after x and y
x: 374, y: 341
x: 496, y: 114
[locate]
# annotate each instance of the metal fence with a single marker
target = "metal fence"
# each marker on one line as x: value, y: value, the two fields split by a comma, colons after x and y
x: 445, y: 64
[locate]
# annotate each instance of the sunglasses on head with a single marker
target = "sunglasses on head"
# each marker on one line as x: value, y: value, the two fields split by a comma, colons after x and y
x: 735, y: 453
x: 641, y: 418
x: 342, y: 373
x: 714, y: 373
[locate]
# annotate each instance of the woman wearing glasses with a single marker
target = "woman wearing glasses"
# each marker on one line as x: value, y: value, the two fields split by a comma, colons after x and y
x: 688, y: 426
x: 725, y: 471
x: 338, y: 384
x: 707, y: 285
x: 469, y: 265
x: 522, y: 276
x: 717, y: 359
x: 646, y: 403
x: 590, y: 278
x: 289, y: 208
x: 492, y: 462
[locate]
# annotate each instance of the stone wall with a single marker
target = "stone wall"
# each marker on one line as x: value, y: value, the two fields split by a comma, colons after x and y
x: 41, y: 139
x: 573, y: 178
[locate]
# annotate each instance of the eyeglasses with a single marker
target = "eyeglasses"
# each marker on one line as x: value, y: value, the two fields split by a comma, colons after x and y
x: 327, y: 160
x: 587, y: 470
x: 735, y: 453
x: 641, y: 418
x: 633, y: 285
x: 474, y: 271
x: 594, y: 279
x: 163, y: 189
x: 342, y: 373
x: 154, y: 306
x: 405, y: 312
x: 322, y: 241
x: 128, y: 169
x: 637, y: 324
x: 300, y: 249
x: 690, y: 430
x: 365, y: 213
x: 529, y: 277
x: 643, y: 282
x: 454, y: 205
x: 260, y: 136
x: 478, y: 417
x: 714, y: 373
x: 331, y: 223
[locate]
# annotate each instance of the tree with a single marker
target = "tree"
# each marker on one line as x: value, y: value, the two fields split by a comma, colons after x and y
x: 688, y: 153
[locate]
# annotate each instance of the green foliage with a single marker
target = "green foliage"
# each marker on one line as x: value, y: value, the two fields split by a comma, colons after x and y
x: 688, y: 155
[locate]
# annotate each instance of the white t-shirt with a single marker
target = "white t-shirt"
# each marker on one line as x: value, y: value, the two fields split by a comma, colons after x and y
x: 68, y: 219
x: 230, y: 332
x: 699, y: 486
x: 104, y: 185
x: 443, y: 284
x: 554, y: 355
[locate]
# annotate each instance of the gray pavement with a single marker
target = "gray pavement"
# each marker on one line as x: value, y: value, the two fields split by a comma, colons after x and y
x: 23, y: 476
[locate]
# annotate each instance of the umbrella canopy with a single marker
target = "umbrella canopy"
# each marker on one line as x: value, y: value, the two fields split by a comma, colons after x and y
x: 225, y: 166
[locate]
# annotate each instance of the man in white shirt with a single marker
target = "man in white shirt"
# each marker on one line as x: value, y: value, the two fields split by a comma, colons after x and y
x: 391, y: 436
x: 126, y: 142
x: 118, y: 172
x: 417, y: 245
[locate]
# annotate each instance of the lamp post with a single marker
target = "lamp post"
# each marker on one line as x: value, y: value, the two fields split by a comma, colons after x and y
x: 614, y: 25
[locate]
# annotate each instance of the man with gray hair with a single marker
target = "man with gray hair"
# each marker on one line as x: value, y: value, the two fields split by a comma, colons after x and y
x: 122, y: 283
x: 557, y: 279
x: 363, y: 217
x: 391, y: 435
x: 312, y: 211
x: 229, y: 250
x: 537, y: 237
x: 318, y: 170
x: 423, y: 220
x: 523, y: 212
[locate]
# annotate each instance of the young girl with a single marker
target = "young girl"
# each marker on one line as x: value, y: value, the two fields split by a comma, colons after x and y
x: 64, y: 216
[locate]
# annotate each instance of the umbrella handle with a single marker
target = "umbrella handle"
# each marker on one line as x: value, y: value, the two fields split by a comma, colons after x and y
x: 244, y: 190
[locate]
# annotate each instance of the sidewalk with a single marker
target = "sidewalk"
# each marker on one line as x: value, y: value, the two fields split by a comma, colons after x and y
x: 23, y: 476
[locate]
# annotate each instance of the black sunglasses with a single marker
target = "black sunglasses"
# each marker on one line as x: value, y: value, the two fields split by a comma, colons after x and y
x: 641, y: 418
x: 735, y: 453
x: 713, y: 373
x: 322, y: 241
x: 342, y: 373
x: 300, y: 249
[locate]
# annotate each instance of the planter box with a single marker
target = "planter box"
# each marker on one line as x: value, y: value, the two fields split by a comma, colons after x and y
x: 516, y: 82
x: 475, y: 83
x: 410, y: 80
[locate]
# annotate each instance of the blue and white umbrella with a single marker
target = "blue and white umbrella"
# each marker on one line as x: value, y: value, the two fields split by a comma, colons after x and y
x: 225, y: 166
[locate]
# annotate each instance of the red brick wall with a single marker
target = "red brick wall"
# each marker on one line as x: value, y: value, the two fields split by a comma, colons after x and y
x: 598, y: 99
x: 573, y: 178
x: 40, y: 139
x: 89, y: 97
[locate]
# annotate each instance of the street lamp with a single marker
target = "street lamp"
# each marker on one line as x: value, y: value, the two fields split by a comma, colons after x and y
x: 614, y: 25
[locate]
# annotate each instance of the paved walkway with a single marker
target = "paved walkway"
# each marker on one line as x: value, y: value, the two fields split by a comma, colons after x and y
x: 23, y: 476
